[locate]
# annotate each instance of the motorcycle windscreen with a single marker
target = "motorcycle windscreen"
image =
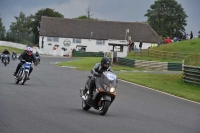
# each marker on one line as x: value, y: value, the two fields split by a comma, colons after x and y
x: 109, y: 79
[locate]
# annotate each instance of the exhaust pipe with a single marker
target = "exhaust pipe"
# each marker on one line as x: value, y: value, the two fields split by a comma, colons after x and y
x: 84, y: 98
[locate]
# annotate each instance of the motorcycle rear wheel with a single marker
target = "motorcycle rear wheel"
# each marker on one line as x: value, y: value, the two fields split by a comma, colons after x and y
x: 16, y: 81
x: 85, y: 106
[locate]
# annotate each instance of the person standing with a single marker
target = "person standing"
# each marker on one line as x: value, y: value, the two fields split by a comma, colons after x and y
x: 140, y: 45
x: 133, y: 45
x: 191, y: 35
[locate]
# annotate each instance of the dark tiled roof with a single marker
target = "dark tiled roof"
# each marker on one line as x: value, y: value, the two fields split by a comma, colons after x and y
x: 102, y: 30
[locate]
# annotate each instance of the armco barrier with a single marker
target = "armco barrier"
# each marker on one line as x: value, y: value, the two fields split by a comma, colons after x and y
x: 126, y: 62
x: 191, y: 74
x: 87, y: 54
x: 155, y: 65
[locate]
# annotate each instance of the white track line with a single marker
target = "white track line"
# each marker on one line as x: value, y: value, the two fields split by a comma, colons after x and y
x: 161, y: 92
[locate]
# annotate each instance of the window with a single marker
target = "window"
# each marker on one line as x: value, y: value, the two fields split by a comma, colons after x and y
x: 49, y: 39
x: 52, y: 39
x: 75, y: 40
x: 100, y: 42
x: 55, y: 39
x: 121, y: 49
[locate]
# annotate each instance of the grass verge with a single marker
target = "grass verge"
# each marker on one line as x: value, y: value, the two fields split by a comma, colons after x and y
x: 169, y: 83
x: 87, y: 63
x: 10, y: 49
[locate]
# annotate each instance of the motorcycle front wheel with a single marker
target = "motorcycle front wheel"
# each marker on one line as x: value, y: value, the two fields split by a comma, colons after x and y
x: 104, y: 107
x: 24, y: 77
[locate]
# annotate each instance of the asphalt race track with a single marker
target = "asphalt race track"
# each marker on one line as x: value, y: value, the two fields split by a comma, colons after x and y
x: 50, y: 103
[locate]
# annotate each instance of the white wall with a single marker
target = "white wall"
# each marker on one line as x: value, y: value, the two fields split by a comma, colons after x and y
x: 90, y: 43
x: 144, y: 45
x: 12, y: 44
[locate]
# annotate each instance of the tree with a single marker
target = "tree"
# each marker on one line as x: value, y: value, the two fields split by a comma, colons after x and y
x: 88, y: 10
x: 20, y: 30
x: 2, y: 30
x: 22, y: 24
x: 36, y: 19
x: 167, y: 17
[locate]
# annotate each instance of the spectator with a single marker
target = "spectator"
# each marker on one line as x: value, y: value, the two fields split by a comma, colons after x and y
x: 140, y: 45
x: 168, y: 40
x: 199, y: 34
x: 175, y: 39
x: 131, y: 45
x: 187, y: 37
x: 191, y: 35
x: 184, y: 36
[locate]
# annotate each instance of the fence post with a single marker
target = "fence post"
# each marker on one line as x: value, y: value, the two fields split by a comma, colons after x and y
x: 182, y: 64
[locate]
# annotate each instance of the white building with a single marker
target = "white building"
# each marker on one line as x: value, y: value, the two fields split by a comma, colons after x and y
x: 59, y: 36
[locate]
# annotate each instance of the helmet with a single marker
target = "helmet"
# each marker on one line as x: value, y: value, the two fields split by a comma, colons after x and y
x: 29, y: 50
x: 36, y: 52
x: 6, y: 49
x: 105, y: 62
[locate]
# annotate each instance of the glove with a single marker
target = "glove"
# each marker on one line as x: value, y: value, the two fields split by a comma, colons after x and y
x: 96, y: 74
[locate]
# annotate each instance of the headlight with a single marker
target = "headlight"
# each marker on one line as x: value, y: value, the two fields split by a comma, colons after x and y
x: 106, y: 87
x: 112, y: 89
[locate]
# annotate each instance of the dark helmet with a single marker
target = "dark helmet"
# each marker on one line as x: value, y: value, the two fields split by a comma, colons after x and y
x: 6, y: 49
x: 37, y: 52
x: 105, y: 62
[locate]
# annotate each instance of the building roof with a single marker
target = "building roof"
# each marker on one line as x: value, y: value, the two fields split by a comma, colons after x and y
x: 96, y: 29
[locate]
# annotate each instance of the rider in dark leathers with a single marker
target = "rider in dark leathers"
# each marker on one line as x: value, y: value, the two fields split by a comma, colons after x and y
x: 98, y: 69
x: 37, y: 55
x: 28, y: 57
x: 14, y: 53
x: 5, y: 52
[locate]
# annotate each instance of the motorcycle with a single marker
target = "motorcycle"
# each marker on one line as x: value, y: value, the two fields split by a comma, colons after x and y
x: 23, y: 73
x: 5, y: 59
x: 104, y: 92
x: 37, y: 60
x: 14, y: 57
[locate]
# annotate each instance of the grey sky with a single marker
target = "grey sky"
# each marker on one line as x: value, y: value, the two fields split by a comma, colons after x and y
x: 113, y: 10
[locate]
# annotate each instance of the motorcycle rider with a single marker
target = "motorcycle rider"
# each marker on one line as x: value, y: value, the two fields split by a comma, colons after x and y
x: 14, y: 53
x: 5, y: 52
x: 98, y: 69
x: 28, y: 57
x: 37, y: 55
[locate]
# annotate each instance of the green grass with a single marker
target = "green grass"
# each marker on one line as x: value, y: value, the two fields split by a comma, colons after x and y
x: 169, y: 83
x: 87, y: 63
x: 184, y: 47
x: 10, y: 49
x: 187, y: 46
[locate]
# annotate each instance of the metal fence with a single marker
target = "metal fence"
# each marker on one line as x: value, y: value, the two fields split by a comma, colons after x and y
x: 191, y: 74
x: 161, y: 54
x: 154, y: 65
x: 87, y: 54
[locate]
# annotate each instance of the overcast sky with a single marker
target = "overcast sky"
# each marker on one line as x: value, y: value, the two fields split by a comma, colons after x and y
x: 113, y: 10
